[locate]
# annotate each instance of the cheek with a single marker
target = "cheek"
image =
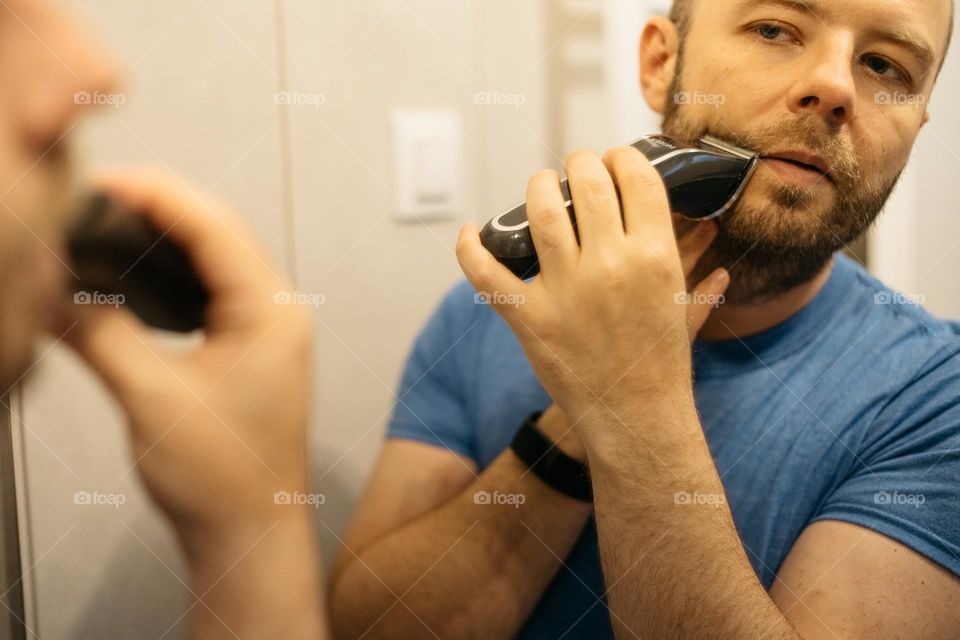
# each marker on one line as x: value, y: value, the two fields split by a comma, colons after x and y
x: 725, y: 93
x: 884, y: 137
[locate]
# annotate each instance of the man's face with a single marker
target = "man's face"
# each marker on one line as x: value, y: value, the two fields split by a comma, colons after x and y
x: 44, y: 63
x: 836, y: 79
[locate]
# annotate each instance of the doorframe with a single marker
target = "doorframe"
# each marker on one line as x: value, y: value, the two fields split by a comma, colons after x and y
x: 13, y: 624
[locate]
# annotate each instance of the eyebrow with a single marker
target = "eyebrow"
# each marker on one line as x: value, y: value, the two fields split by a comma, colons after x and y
x: 803, y: 6
x: 905, y: 39
x: 915, y: 45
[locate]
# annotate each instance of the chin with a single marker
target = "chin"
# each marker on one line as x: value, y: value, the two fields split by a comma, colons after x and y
x: 782, y: 216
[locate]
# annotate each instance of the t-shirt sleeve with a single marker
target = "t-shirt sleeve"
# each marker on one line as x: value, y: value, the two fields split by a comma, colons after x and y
x: 906, y: 482
x: 432, y: 404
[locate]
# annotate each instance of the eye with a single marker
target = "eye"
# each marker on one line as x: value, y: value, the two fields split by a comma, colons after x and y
x: 771, y: 31
x: 882, y: 66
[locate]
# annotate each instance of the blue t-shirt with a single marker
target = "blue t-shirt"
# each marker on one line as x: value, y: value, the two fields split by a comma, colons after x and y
x: 849, y: 410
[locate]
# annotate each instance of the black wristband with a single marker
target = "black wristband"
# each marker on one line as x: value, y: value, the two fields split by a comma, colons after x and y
x: 558, y: 470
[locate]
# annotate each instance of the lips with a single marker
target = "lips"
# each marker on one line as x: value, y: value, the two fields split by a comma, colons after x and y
x: 805, y: 160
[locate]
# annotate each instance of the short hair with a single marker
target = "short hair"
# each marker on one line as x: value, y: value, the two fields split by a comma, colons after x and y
x: 681, y: 14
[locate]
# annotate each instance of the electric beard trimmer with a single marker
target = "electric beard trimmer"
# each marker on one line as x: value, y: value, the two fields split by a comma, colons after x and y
x: 703, y: 180
x: 119, y: 253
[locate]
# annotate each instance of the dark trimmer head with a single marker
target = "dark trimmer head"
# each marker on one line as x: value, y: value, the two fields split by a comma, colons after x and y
x: 703, y: 180
x: 119, y: 253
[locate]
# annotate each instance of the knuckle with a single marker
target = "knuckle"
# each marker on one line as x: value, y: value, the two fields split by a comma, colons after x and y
x: 632, y: 166
x: 597, y: 187
x: 619, y: 156
x: 548, y: 176
x: 646, y: 177
x: 549, y: 219
x: 587, y: 171
x: 580, y: 157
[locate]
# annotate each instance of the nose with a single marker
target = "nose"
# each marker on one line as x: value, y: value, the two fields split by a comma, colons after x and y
x: 827, y: 88
x: 64, y: 71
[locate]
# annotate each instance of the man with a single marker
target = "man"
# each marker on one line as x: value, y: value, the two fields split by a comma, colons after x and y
x: 204, y: 426
x: 794, y: 474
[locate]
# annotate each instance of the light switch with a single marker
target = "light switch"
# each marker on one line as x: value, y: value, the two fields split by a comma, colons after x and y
x: 428, y: 164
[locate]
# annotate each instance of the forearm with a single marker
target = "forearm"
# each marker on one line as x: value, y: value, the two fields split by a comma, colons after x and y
x: 451, y: 568
x: 258, y: 581
x: 671, y: 554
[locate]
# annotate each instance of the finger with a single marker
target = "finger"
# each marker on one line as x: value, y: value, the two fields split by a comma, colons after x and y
x: 112, y: 341
x: 646, y: 208
x: 695, y: 243
x: 595, y: 200
x: 226, y: 255
x: 496, y: 284
x: 550, y: 224
x: 705, y: 298
x: 682, y: 225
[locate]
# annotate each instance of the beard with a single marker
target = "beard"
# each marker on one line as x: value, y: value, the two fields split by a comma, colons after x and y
x: 48, y: 200
x: 774, y: 246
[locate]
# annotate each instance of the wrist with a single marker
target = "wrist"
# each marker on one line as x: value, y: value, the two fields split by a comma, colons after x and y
x: 211, y: 541
x: 553, y: 466
x: 554, y: 425
x: 652, y: 431
x: 259, y: 577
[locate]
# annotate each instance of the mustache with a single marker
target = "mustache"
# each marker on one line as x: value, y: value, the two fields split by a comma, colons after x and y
x: 807, y: 132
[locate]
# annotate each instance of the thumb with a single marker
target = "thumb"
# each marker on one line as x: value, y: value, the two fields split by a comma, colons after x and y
x: 706, y: 297
x: 111, y: 340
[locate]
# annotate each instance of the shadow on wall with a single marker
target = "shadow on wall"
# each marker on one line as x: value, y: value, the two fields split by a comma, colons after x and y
x: 161, y: 600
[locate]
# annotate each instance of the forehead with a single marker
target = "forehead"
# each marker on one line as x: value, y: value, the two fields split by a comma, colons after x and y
x: 929, y: 19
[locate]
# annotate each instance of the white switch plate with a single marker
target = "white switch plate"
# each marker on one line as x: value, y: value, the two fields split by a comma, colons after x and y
x: 428, y: 164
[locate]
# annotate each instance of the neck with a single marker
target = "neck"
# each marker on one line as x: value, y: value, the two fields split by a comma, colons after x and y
x: 740, y: 321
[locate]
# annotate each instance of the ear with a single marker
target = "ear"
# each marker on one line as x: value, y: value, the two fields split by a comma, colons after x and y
x: 659, y: 47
